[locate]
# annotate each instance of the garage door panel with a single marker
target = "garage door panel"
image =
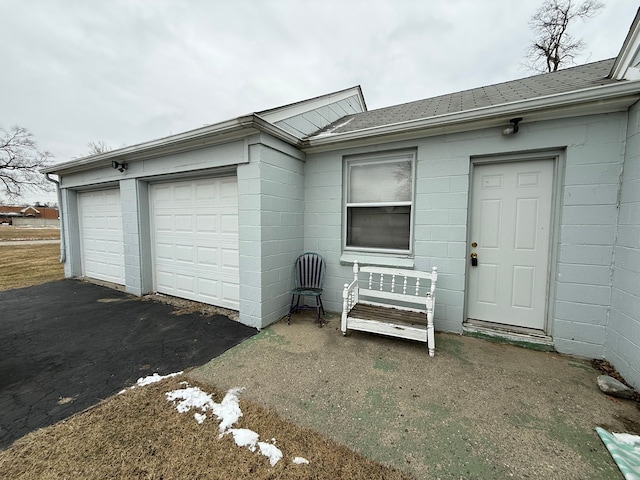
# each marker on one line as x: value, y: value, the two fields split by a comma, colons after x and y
x: 230, y: 291
x: 183, y: 224
x: 163, y: 223
x: 111, y: 197
x: 207, y: 223
x: 184, y: 254
x: 182, y: 193
x: 205, y: 191
x: 185, y: 283
x: 201, y: 228
x: 230, y: 259
x: 162, y: 194
x: 101, y: 235
x: 208, y: 288
x: 113, y: 223
x: 208, y: 256
x: 164, y: 280
x: 164, y: 251
x: 114, y: 247
x: 229, y: 224
x: 229, y: 189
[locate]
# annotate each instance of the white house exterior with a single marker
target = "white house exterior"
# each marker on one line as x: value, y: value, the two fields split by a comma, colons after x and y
x: 539, y: 177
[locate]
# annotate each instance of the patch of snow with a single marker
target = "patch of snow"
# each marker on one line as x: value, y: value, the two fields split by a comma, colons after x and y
x: 191, y: 397
x: 300, y: 460
x: 271, y: 451
x: 228, y: 413
x: 245, y: 438
x: 229, y: 410
x: 142, y: 381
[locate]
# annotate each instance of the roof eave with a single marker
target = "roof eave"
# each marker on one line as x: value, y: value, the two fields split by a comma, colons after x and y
x: 608, y: 98
x: 210, y: 135
x: 628, y: 50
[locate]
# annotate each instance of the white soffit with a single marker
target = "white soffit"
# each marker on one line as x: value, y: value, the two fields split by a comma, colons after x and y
x: 299, y: 108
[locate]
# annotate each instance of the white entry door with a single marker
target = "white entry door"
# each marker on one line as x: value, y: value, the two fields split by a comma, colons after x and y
x: 510, y: 228
x: 194, y: 227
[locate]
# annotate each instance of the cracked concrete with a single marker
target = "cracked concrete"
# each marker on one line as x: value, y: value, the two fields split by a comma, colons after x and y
x: 478, y: 409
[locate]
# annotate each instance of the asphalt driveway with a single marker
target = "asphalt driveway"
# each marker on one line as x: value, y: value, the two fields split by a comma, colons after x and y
x: 67, y: 345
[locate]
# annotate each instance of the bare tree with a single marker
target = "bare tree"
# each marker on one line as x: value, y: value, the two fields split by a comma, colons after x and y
x: 98, y: 147
x: 20, y: 162
x: 554, y: 47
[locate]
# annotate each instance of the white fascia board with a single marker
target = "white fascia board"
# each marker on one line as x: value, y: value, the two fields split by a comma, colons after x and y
x: 601, y: 99
x: 210, y: 135
x: 628, y: 51
x: 266, y: 126
x: 288, y: 111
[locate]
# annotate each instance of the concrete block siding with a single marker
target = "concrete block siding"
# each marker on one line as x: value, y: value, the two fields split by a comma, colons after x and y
x: 623, y: 333
x: 270, y: 219
x: 587, y: 236
x: 591, y: 157
x: 131, y: 236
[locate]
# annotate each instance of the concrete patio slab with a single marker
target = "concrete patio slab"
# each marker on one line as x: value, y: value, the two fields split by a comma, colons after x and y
x: 479, y: 409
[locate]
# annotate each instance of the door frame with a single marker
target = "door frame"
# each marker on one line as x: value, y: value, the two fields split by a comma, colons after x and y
x: 558, y: 157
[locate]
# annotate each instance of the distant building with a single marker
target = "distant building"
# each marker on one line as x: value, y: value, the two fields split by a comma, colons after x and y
x: 36, y: 216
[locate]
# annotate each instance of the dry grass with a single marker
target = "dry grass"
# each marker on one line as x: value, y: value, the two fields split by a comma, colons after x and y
x: 10, y: 232
x: 141, y: 435
x: 27, y: 265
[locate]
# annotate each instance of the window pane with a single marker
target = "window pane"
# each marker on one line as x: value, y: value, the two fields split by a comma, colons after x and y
x: 379, y: 227
x: 380, y: 182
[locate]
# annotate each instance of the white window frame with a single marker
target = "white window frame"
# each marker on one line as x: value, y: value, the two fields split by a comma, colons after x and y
x: 389, y: 157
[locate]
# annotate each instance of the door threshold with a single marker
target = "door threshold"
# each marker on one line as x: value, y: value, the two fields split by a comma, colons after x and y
x: 525, y: 337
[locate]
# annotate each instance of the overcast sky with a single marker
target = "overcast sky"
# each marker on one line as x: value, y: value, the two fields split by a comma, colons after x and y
x: 128, y: 71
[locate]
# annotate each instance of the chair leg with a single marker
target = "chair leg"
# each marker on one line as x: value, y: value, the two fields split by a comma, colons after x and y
x: 291, y: 309
x: 321, y: 305
x: 318, y: 309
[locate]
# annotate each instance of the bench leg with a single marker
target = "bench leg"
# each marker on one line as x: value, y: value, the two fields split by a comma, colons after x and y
x: 343, y: 323
x: 431, y: 338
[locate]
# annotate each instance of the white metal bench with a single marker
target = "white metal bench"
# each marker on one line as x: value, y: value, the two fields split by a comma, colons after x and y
x: 391, y: 301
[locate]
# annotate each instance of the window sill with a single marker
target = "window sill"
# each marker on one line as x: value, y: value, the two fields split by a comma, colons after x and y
x: 348, y: 258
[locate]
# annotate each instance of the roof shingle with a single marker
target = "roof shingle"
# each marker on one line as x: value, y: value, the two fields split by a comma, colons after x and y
x: 562, y: 81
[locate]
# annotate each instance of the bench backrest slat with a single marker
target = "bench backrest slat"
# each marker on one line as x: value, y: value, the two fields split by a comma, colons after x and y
x: 395, y: 284
x: 398, y: 297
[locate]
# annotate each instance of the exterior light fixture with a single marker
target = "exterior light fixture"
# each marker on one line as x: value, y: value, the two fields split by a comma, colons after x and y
x: 120, y: 166
x: 513, y: 128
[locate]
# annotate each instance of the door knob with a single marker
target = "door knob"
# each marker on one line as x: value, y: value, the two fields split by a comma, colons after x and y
x: 474, y: 259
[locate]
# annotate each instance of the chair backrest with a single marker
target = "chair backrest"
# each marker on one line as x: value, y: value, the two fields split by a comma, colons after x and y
x: 309, y: 271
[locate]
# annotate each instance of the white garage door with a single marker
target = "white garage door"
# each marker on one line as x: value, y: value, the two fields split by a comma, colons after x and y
x: 101, y: 235
x: 194, y: 226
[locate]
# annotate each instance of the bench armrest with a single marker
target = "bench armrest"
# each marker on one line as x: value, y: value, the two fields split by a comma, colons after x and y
x: 348, y: 288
